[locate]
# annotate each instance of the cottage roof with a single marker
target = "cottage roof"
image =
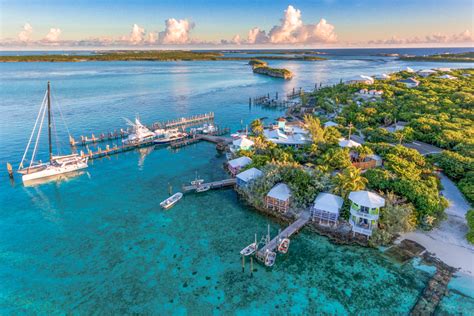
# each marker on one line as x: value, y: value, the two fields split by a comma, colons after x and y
x: 427, y: 71
x: 240, y: 162
x: 250, y: 174
x: 328, y: 202
x: 274, y: 133
x: 366, y: 198
x: 447, y: 77
x: 243, y: 142
x: 280, y: 192
x: 375, y: 157
x: 330, y: 123
x: 348, y: 143
x: 409, y: 80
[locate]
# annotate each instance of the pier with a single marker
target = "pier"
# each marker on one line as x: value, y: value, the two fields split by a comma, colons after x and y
x: 213, y: 185
x: 185, y: 122
x: 286, y: 233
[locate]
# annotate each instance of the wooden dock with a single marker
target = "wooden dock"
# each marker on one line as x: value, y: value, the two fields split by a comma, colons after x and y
x: 214, y: 185
x: 186, y: 122
x: 286, y: 233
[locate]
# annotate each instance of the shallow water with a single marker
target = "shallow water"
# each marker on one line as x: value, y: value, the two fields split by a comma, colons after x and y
x: 99, y: 242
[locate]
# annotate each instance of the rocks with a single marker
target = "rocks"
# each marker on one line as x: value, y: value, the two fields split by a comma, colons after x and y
x: 273, y: 72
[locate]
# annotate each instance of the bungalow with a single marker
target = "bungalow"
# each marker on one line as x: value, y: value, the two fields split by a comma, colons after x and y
x: 361, y: 79
x: 410, y: 82
x: 365, y: 210
x: 236, y: 164
x: 443, y: 69
x: 245, y: 177
x: 382, y: 77
x: 348, y: 143
x: 447, y: 77
x: 241, y: 143
x: 287, y: 134
x: 326, y: 208
x: 330, y: 124
x: 397, y: 126
x: 426, y: 72
x: 278, y: 198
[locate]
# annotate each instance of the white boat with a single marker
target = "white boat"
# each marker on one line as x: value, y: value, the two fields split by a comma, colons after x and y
x: 170, y: 136
x: 172, y: 200
x: 56, y: 165
x: 284, y: 245
x: 139, y: 134
x: 250, y: 249
x: 208, y: 129
x: 203, y: 188
x: 270, y: 257
x: 197, y: 181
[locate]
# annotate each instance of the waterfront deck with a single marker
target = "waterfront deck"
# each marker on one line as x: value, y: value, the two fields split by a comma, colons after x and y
x: 214, y: 185
x: 286, y: 233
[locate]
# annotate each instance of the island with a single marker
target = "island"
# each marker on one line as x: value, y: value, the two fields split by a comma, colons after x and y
x: 261, y: 67
x: 148, y: 55
x: 454, y: 58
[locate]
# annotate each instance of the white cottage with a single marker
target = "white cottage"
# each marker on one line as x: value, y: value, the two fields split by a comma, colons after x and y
x: 365, y: 210
x: 245, y: 177
x: 236, y: 164
x: 326, y: 208
x: 278, y: 198
x: 242, y: 143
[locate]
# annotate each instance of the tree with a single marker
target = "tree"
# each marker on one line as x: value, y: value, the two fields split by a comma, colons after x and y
x: 257, y: 127
x: 349, y: 180
x: 363, y: 152
x: 313, y: 125
x: 470, y: 225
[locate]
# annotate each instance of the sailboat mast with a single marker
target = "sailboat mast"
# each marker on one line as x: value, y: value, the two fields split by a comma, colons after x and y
x: 49, y: 124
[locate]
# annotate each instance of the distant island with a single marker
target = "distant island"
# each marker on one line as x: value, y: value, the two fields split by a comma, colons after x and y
x: 152, y: 55
x: 261, y: 67
x: 448, y: 57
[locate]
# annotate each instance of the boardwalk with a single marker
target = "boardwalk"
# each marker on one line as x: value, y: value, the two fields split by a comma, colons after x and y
x: 216, y: 139
x: 214, y: 185
x: 286, y: 233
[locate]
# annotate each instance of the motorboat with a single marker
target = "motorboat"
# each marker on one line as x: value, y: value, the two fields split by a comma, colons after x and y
x: 56, y: 164
x: 209, y: 129
x: 171, y: 201
x: 283, y: 245
x: 270, y: 258
x: 197, y: 181
x: 170, y: 136
x: 250, y: 249
x: 203, y: 188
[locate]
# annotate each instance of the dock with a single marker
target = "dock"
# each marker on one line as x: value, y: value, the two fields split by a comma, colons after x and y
x: 286, y: 233
x: 214, y: 185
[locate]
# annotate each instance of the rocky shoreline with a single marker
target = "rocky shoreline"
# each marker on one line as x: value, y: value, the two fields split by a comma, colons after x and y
x: 274, y: 72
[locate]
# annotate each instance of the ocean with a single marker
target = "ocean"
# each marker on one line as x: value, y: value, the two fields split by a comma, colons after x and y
x: 99, y: 243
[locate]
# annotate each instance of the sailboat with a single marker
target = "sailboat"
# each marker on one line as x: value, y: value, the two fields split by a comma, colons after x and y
x: 57, y: 164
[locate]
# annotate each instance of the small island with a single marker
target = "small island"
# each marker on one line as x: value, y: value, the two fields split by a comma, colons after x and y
x: 261, y: 67
x: 455, y: 58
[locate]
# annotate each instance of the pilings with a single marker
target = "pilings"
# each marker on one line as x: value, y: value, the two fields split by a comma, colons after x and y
x: 213, y: 185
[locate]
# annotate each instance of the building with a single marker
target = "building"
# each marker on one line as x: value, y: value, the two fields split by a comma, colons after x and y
x: 361, y: 79
x: 410, y: 82
x: 365, y: 210
x: 382, y: 77
x: 326, y: 208
x: 426, y: 72
x: 235, y: 165
x: 287, y: 134
x: 447, y: 77
x: 397, y: 126
x: 348, y: 143
x: 378, y: 160
x: 241, y: 143
x: 408, y: 69
x: 278, y: 198
x: 245, y: 177
x: 330, y: 124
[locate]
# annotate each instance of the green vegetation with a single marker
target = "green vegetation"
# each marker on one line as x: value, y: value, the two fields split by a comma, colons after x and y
x: 273, y: 72
x: 470, y: 225
x: 257, y: 63
x: 457, y: 58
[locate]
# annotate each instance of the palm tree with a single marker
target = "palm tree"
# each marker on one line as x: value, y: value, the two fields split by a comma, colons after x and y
x: 257, y: 127
x: 349, y: 180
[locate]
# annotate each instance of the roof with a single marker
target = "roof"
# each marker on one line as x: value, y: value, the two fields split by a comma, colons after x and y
x: 382, y: 76
x: 447, y: 77
x: 240, y: 162
x: 280, y: 192
x: 427, y: 71
x: 281, y: 119
x: 243, y: 142
x: 249, y: 174
x: 328, y: 202
x: 330, y: 123
x: 274, y: 133
x: 408, y: 69
x: 409, y: 80
x: 375, y: 157
x: 366, y: 198
x: 348, y: 143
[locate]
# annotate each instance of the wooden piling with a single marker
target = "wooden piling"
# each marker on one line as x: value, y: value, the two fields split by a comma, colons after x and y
x: 251, y: 267
x: 243, y: 263
x: 10, y: 170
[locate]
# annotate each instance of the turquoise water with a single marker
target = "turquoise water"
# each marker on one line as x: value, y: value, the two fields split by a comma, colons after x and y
x: 99, y: 242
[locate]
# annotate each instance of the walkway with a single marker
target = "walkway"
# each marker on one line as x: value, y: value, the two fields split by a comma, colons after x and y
x: 448, y: 241
x: 214, y: 185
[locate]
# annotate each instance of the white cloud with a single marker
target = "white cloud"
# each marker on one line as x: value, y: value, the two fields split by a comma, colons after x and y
x: 176, y: 32
x: 236, y: 40
x: 437, y: 38
x: 292, y: 30
x: 151, y: 38
x: 25, y: 34
x: 257, y: 36
x: 53, y: 35
x: 137, y: 34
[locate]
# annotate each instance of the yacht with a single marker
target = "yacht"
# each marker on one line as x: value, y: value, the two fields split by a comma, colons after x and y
x: 56, y: 164
x: 170, y: 136
x: 140, y: 133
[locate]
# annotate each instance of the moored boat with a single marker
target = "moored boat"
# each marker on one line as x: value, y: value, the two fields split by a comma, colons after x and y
x: 140, y: 133
x: 250, y: 249
x: 203, y: 188
x: 284, y: 245
x: 170, y: 136
x: 270, y: 258
x: 171, y: 201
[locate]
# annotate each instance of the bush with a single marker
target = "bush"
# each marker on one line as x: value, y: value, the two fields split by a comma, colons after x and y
x: 470, y: 225
x: 454, y: 165
x: 466, y: 185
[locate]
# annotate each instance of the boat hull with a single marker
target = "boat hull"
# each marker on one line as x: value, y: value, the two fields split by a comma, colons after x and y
x: 51, y: 171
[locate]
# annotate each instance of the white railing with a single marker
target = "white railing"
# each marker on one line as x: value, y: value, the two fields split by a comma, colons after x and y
x: 361, y: 230
x: 364, y: 215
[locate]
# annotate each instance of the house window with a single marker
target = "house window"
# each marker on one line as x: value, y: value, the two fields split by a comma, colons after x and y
x: 364, y: 209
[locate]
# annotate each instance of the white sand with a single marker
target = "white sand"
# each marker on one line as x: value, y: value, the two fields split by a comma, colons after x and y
x: 448, y: 241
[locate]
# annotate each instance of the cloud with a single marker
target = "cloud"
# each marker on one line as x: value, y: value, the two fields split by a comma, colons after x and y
x: 236, y: 40
x: 136, y: 35
x: 25, y: 34
x: 53, y: 35
x: 437, y: 38
x: 257, y: 36
x: 292, y: 30
x: 176, y: 32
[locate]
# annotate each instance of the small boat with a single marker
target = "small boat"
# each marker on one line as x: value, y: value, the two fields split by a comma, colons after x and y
x: 203, y: 188
x: 197, y: 181
x: 250, y: 249
x: 270, y: 258
x: 172, y: 200
x: 284, y: 245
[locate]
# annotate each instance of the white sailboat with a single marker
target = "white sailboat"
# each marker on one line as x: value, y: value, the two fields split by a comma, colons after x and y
x: 57, y: 164
x: 140, y: 133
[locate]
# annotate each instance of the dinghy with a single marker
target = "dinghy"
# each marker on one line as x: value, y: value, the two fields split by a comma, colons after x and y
x: 270, y: 258
x: 250, y: 249
x: 284, y: 245
x: 172, y: 200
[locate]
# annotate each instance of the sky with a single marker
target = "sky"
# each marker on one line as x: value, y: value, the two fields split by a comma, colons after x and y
x: 241, y: 24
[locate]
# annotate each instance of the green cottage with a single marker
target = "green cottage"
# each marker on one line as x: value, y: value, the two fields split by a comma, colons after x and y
x: 365, y: 210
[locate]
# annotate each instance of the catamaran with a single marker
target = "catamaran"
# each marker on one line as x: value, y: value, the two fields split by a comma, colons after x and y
x: 57, y: 164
